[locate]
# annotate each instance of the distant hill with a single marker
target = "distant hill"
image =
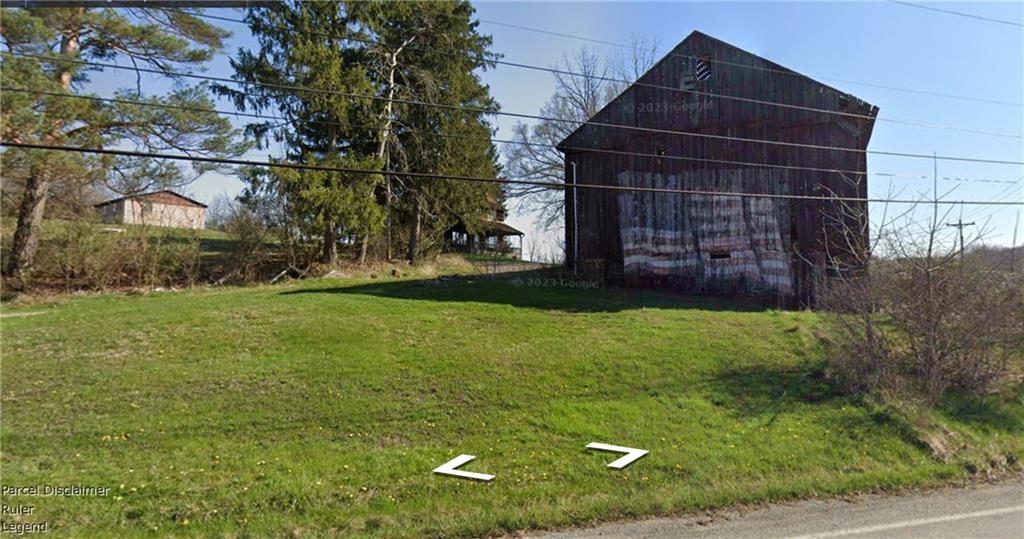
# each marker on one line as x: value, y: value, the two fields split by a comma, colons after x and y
x: 999, y: 258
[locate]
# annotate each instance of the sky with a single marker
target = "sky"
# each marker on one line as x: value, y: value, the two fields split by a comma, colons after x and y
x: 853, y: 46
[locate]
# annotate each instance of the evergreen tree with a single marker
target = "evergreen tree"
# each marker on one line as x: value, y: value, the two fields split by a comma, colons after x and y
x: 431, y: 52
x: 392, y: 52
x: 166, y: 40
x: 302, y: 44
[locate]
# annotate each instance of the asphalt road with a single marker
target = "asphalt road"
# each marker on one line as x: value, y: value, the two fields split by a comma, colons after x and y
x: 984, y: 512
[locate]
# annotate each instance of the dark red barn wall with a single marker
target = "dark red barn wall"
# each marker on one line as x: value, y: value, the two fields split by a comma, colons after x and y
x: 717, y: 244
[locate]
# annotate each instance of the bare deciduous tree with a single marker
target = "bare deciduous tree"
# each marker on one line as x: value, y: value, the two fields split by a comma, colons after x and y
x: 584, y: 83
x: 908, y: 316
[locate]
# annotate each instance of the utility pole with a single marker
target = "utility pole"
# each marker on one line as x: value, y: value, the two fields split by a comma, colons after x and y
x: 1013, y: 245
x: 960, y: 224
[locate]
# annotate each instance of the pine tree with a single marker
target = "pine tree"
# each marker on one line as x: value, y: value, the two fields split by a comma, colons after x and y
x: 303, y: 45
x: 431, y: 52
x: 392, y: 52
x: 166, y: 40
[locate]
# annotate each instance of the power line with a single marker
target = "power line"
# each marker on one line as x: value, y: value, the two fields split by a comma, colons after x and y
x: 498, y: 140
x: 959, y: 13
x: 943, y: 178
x: 482, y: 110
x: 769, y: 69
x: 430, y: 175
x: 1004, y: 194
x: 637, y: 83
x: 763, y: 101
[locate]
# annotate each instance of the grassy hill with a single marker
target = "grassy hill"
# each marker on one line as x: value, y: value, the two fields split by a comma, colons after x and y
x: 211, y: 242
x: 321, y: 407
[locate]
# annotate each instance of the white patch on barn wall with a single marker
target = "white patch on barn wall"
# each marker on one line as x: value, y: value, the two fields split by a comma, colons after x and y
x: 719, y: 241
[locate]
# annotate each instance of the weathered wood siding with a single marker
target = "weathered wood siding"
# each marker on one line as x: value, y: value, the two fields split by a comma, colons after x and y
x: 705, y: 243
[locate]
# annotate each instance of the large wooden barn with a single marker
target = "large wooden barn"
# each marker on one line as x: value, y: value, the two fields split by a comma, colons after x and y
x: 697, y: 121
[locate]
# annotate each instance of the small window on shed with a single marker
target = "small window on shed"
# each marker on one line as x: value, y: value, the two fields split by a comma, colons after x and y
x: 843, y: 100
x: 661, y: 150
x: 719, y: 256
x: 702, y: 68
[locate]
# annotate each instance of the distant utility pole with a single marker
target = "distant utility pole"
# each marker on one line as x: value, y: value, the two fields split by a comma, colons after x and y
x: 1013, y: 245
x: 960, y: 224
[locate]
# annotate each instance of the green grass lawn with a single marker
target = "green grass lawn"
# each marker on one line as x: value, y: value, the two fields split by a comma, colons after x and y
x: 320, y: 408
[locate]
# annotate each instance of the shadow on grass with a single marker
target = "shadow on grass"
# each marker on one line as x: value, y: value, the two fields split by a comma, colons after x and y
x: 217, y: 245
x: 993, y: 413
x: 760, y: 390
x: 538, y: 289
x: 763, y: 393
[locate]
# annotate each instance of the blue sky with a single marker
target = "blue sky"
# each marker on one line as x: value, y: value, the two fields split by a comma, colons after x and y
x: 878, y: 42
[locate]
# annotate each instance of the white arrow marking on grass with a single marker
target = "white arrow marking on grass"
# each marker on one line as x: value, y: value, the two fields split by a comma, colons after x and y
x: 622, y: 462
x: 449, y: 468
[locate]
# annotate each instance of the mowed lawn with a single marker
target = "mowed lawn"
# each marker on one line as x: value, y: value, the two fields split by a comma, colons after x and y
x: 320, y: 408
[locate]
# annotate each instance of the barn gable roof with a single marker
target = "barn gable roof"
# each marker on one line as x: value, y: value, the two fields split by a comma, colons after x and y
x: 751, y: 61
x: 165, y: 194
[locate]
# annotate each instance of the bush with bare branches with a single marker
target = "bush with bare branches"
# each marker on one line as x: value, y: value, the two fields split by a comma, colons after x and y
x: 909, y: 326
x: 917, y: 317
x: 249, y: 237
x: 81, y: 255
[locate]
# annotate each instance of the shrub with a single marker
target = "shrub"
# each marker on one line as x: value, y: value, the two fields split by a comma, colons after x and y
x: 249, y: 236
x: 914, y: 326
x: 80, y: 255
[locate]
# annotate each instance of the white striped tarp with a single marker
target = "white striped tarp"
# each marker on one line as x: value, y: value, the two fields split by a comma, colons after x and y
x: 677, y: 235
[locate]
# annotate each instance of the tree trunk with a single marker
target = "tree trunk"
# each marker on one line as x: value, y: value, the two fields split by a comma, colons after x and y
x: 33, y: 202
x: 362, y: 250
x: 414, y: 231
x: 381, y: 153
x: 385, y: 133
x: 330, y: 252
x: 388, y: 254
x: 30, y: 221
